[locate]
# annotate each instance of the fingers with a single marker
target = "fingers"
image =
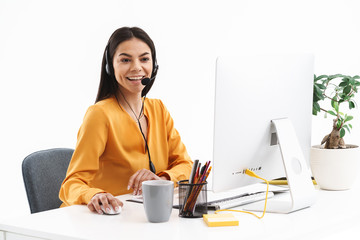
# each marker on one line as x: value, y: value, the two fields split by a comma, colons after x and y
x: 91, y: 207
x: 94, y: 204
x: 115, y: 203
x: 137, y: 178
x: 105, y: 199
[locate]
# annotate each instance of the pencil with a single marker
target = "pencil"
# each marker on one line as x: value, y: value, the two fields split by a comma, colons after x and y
x: 193, y: 170
x: 200, y: 176
x: 197, y: 192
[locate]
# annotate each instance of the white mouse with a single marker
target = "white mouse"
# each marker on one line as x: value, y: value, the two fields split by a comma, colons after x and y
x: 112, y: 210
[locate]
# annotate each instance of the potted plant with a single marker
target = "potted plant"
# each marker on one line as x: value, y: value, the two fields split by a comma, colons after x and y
x: 334, y: 163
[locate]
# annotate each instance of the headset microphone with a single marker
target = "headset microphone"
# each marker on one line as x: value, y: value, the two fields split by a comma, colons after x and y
x: 146, y: 81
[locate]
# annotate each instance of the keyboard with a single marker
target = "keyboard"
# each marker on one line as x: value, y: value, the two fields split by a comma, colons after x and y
x: 238, y: 200
x: 221, y: 203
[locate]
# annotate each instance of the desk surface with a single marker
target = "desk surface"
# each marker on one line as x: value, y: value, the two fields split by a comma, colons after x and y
x: 335, y: 215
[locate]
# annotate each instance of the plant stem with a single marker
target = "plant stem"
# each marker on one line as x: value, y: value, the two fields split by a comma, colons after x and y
x: 323, y: 110
x: 329, y: 98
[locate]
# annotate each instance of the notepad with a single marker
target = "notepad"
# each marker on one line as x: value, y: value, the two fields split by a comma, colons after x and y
x: 220, y: 220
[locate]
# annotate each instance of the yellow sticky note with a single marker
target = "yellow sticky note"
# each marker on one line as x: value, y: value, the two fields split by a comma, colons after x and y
x: 220, y: 220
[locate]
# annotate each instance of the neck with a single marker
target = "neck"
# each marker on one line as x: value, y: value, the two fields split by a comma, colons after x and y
x: 132, y: 103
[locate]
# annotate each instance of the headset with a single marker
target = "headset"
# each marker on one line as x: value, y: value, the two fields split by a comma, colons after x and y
x: 146, y: 81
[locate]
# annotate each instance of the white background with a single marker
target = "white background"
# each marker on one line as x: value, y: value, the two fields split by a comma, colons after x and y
x: 51, y: 51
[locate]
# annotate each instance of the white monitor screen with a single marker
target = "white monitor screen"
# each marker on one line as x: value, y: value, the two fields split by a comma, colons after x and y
x: 251, y: 91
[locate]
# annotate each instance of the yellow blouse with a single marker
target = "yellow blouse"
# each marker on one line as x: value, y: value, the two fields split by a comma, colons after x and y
x: 110, y: 149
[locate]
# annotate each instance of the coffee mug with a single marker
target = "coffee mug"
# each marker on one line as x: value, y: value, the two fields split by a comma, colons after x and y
x: 158, y: 199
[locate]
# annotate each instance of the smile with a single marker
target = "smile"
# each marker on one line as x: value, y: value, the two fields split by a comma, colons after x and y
x: 135, y: 78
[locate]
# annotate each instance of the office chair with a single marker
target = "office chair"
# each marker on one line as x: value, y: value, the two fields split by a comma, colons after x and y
x: 43, y: 173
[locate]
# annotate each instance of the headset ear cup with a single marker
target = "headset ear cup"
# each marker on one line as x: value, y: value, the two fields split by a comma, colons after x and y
x: 107, y: 66
x: 107, y: 69
x: 156, y: 67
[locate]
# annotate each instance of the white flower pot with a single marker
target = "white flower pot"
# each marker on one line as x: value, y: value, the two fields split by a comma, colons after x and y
x: 335, y: 169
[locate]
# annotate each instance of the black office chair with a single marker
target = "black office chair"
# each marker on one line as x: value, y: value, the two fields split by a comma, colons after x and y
x: 43, y: 173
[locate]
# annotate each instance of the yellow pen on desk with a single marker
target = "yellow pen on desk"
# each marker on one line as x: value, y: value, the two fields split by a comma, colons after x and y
x: 284, y: 182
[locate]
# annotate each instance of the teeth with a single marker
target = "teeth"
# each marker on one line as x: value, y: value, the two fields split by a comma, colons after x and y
x: 135, y: 78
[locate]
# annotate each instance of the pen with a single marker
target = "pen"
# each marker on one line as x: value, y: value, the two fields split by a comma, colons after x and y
x: 201, y: 174
x: 193, y: 170
x: 197, y: 192
x: 197, y: 173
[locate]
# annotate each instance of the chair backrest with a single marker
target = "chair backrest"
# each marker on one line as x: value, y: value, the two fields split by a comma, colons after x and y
x: 43, y: 173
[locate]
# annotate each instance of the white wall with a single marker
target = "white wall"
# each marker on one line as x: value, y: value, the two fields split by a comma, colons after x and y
x: 50, y: 55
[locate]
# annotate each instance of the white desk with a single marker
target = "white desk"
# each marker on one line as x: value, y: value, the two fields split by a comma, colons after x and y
x: 336, y: 215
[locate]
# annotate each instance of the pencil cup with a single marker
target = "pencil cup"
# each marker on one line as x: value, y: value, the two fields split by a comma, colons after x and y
x: 192, y: 199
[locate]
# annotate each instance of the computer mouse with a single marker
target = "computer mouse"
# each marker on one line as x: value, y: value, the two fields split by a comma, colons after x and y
x: 112, y: 210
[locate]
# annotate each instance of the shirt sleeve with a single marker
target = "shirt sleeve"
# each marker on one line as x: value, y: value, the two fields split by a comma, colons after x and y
x: 91, y: 142
x: 180, y: 163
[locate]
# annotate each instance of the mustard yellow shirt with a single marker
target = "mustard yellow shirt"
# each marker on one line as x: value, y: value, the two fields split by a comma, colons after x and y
x: 110, y: 149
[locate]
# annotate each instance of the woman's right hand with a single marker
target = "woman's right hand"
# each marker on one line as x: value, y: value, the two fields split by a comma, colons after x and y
x: 105, y: 199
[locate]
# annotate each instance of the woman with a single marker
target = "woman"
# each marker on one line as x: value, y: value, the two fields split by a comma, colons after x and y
x: 125, y: 138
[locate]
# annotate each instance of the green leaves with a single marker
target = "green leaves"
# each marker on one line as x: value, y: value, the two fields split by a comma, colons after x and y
x: 335, y: 105
x: 348, y: 118
x: 326, y: 87
x: 338, y: 89
x: 347, y: 89
x: 342, y: 133
x: 347, y: 127
x: 351, y: 104
x: 316, y: 108
x: 332, y: 113
x: 320, y: 77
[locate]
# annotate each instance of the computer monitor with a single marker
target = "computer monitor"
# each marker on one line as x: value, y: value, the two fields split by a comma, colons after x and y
x: 259, y: 98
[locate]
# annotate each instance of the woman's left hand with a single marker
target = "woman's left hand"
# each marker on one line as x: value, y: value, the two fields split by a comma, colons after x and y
x: 137, y: 178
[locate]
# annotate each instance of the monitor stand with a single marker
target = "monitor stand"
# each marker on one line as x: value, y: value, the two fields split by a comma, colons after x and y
x: 301, y: 188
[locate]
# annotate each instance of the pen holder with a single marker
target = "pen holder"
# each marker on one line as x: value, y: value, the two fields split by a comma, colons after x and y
x: 192, y: 199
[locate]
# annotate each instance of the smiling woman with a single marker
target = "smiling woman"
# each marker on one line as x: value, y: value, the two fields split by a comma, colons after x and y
x: 112, y: 155
x: 108, y: 83
x: 132, y: 63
